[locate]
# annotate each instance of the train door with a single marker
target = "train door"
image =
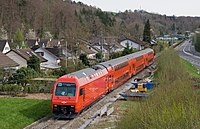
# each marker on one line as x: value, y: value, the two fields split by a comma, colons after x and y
x: 130, y: 70
x: 82, y: 97
x: 146, y: 60
x: 133, y: 73
x: 110, y: 82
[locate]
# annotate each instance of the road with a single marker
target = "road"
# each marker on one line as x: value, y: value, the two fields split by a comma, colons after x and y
x: 187, y: 52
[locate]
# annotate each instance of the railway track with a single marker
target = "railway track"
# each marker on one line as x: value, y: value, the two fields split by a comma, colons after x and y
x: 87, y: 116
x: 48, y: 123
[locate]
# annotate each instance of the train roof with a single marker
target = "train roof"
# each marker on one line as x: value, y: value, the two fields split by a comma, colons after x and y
x: 119, y: 60
x: 87, y: 71
x: 139, y: 53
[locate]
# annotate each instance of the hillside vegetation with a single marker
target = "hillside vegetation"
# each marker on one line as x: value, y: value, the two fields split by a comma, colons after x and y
x: 174, y: 104
x: 58, y: 19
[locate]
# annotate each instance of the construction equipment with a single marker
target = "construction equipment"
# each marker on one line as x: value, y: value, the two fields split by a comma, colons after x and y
x: 139, y: 90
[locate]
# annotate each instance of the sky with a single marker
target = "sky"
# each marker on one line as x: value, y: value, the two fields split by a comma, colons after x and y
x: 167, y: 7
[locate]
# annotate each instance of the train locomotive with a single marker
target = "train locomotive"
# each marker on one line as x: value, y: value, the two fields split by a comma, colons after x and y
x: 74, y: 92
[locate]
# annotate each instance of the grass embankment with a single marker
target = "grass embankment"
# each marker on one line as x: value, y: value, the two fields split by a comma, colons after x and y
x: 190, y: 69
x: 174, y: 104
x: 18, y: 113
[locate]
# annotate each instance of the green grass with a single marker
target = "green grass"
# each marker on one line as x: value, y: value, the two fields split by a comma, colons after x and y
x: 190, y: 68
x: 16, y: 113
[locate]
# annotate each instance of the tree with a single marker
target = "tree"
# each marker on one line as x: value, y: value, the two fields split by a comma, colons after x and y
x: 23, y: 76
x: 197, y: 42
x: 19, y: 38
x: 59, y: 72
x: 34, y: 63
x: 114, y: 55
x: 2, y: 75
x: 84, y: 59
x: 98, y: 55
x: 147, y: 32
x: 127, y: 50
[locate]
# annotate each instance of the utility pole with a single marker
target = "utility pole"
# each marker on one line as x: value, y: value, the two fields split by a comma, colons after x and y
x: 101, y: 43
x: 66, y: 55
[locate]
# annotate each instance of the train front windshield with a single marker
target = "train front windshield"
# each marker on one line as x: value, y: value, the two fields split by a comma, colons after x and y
x: 65, y: 89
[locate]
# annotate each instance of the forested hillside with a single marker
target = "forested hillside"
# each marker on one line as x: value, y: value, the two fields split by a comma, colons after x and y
x: 66, y: 19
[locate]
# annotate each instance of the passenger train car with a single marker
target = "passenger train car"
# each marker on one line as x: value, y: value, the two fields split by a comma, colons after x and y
x: 76, y: 91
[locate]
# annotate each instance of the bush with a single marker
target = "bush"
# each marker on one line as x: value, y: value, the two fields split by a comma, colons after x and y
x: 10, y: 89
x: 40, y: 87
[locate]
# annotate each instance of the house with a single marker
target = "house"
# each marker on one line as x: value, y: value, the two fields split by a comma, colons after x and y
x: 43, y: 42
x: 7, y: 63
x: 57, y: 51
x: 167, y: 37
x: 88, y: 50
x: 21, y: 56
x: 109, y: 45
x: 37, y: 42
x: 32, y: 42
x: 53, y: 42
x: 52, y: 60
x: 4, y: 46
x: 138, y: 45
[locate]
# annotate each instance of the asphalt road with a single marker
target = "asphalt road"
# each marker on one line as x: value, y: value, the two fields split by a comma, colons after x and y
x: 186, y: 51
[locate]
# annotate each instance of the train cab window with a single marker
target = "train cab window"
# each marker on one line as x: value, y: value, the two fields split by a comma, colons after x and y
x: 65, y: 89
x: 81, y: 91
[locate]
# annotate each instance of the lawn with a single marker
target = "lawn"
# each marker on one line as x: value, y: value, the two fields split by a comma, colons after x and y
x: 17, y: 113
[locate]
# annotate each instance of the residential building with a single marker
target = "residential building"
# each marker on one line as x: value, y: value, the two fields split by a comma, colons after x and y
x: 37, y: 42
x: 52, y: 60
x: 7, y: 63
x: 138, y: 45
x: 4, y: 46
x: 21, y: 56
x: 88, y: 50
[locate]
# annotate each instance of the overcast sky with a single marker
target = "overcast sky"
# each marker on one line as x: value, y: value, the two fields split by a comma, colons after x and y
x: 168, y: 7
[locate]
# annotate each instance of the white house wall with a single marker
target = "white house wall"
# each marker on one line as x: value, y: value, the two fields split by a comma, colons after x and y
x: 47, y: 56
x: 6, y: 48
x: 131, y: 44
x: 21, y: 61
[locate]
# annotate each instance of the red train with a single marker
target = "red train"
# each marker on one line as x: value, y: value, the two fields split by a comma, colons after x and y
x: 76, y: 91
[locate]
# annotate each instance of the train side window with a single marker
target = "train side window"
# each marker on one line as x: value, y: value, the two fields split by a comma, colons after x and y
x: 81, y: 92
x: 110, y: 78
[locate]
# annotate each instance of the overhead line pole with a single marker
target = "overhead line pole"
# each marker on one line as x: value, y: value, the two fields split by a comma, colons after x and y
x: 66, y: 54
x: 101, y: 43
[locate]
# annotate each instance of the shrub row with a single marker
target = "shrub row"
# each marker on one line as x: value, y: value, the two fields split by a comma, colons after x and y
x: 33, y: 87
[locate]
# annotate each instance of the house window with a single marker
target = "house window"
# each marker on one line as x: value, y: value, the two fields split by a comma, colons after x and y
x: 6, y: 48
x: 41, y: 53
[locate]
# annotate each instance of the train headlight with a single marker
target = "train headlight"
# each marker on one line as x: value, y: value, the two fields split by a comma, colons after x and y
x: 55, y: 105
